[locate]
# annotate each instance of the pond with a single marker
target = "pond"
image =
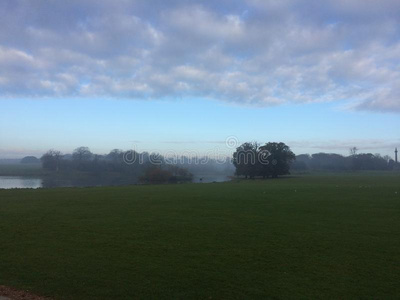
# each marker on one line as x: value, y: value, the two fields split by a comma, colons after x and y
x: 20, y: 182
x: 17, y: 182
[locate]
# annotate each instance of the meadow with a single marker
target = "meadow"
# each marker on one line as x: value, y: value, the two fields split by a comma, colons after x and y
x: 326, y: 236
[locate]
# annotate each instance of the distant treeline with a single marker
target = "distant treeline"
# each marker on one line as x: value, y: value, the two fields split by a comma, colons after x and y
x: 273, y: 159
x: 143, y: 166
x: 337, y: 162
x: 249, y: 160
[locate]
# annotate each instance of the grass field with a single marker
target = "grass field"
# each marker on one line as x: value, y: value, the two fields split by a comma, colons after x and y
x: 332, y: 236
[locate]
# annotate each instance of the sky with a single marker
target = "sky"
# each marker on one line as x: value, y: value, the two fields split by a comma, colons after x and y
x: 199, y: 76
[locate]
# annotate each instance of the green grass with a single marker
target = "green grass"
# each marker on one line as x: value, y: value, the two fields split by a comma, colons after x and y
x: 333, y: 236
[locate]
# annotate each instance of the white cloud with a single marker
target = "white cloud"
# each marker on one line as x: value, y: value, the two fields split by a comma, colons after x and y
x: 248, y: 52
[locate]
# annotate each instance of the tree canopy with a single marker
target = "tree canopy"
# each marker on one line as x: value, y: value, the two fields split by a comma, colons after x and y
x: 270, y: 160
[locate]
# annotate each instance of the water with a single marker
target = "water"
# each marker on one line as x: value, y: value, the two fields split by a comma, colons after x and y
x: 19, y: 182
x: 16, y: 182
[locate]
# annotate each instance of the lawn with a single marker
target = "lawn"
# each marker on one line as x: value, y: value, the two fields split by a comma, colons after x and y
x: 329, y: 236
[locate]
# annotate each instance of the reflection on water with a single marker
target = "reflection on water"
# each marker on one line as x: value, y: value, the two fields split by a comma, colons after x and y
x: 49, y: 182
x: 18, y: 182
x: 15, y: 182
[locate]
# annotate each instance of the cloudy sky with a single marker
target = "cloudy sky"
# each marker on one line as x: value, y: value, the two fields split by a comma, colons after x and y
x: 186, y: 75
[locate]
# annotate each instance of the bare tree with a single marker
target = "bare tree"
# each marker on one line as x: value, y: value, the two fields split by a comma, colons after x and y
x: 387, y: 158
x: 82, y: 154
x: 353, y: 151
x: 51, y: 160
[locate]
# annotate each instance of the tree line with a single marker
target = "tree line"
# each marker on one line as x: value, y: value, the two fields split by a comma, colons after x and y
x: 144, y: 166
x: 251, y: 159
x: 336, y: 162
x: 273, y: 159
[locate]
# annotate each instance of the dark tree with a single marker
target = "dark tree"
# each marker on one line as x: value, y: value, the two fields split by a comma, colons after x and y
x: 82, y: 158
x: 115, y: 156
x: 82, y: 154
x: 30, y: 160
x: 51, y: 160
x: 245, y: 160
x: 270, y: 160
x: 279, y: 159
x: 179, y: 174
x: 156, y: 174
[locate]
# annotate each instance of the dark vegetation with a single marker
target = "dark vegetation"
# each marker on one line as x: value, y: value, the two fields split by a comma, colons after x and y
x: 250, y: 160
x: 274, y: 159
x: 270, y: 160
x: 30, y: 160
x: 336, y: 162
x: 18, y: 169
x: 130, y: 165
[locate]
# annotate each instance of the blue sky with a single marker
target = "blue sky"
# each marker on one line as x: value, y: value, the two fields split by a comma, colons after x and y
x: 201, y: 125
x: 186, y: 75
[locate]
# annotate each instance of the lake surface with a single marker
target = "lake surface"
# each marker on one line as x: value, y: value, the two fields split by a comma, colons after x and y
x: 19, y: 182
x: 16, y: 182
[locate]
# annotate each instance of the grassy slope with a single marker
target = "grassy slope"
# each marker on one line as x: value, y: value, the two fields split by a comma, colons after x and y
x: 328, y: 237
